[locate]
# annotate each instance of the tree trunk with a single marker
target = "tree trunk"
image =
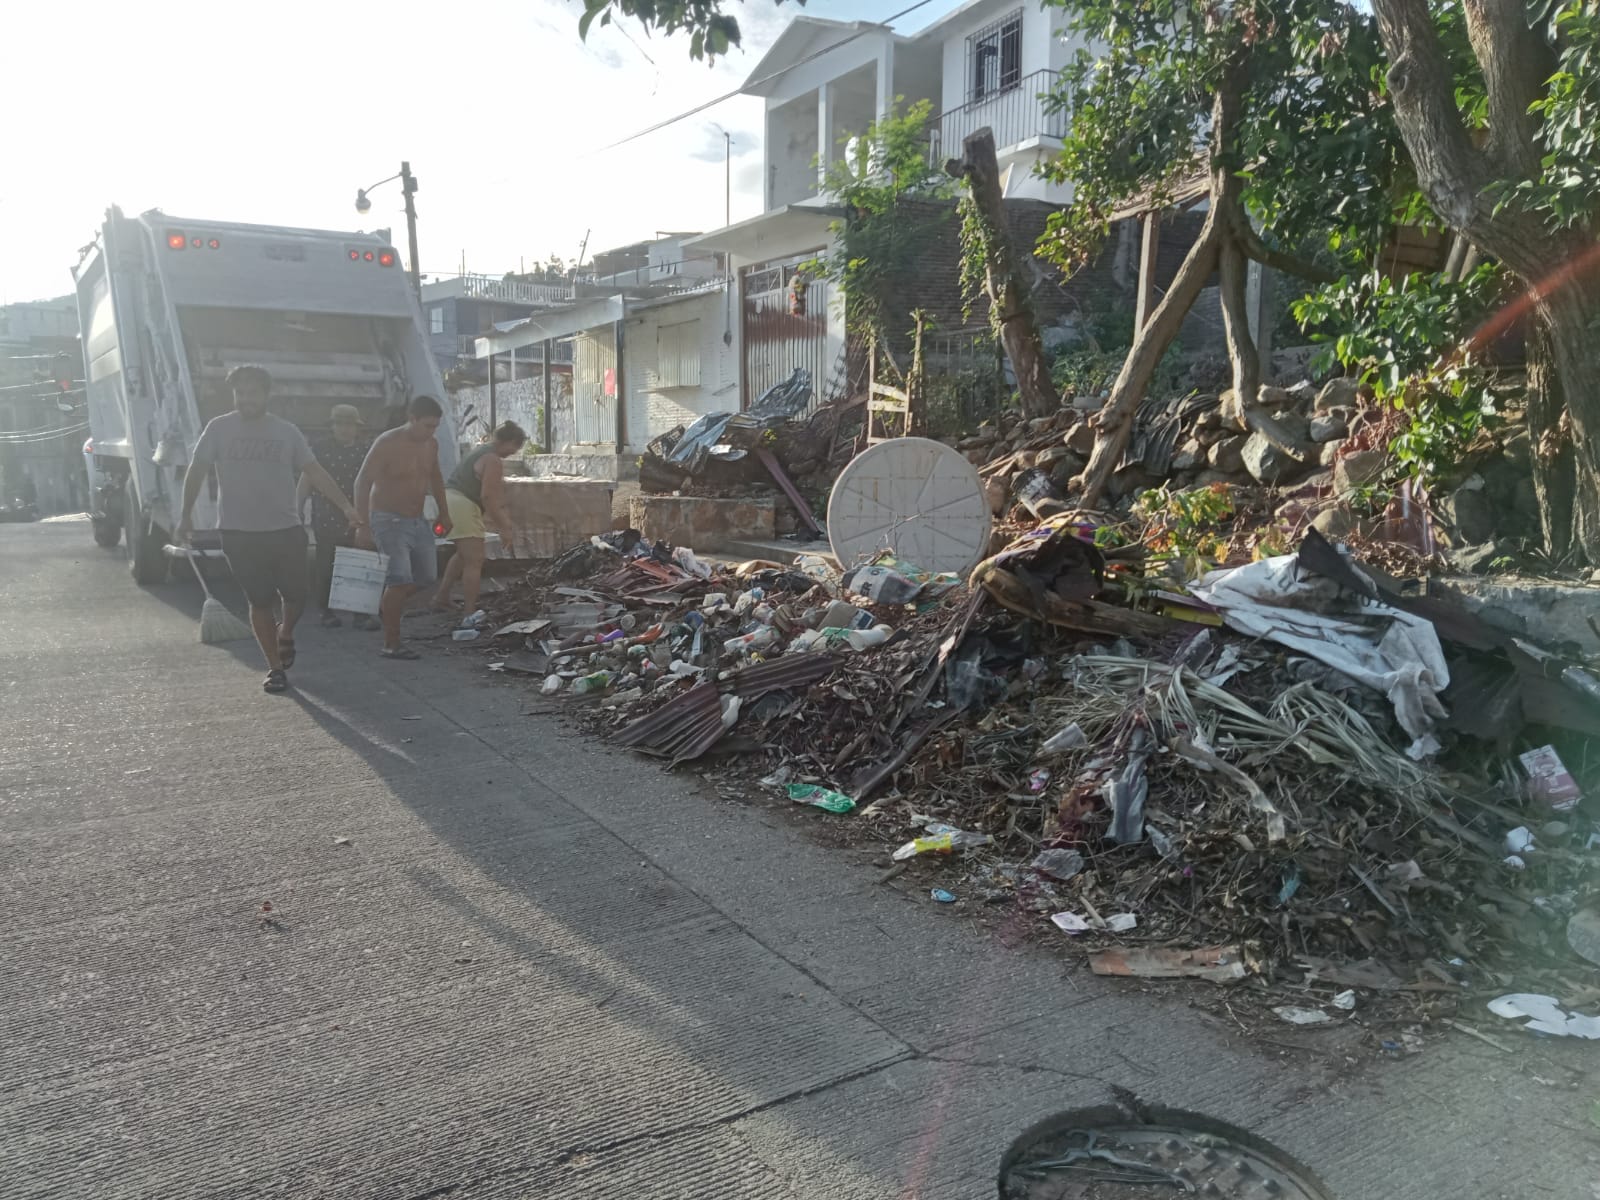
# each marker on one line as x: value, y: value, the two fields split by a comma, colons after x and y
x: 1563, y: 428
x: 1007, y: 282
x: 1115, y: 420
x: 1555, y: 266
x: 1554, y: 476
x: 1236, y: 325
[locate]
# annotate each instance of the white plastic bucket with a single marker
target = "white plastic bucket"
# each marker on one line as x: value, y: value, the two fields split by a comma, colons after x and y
x: 357, y: 580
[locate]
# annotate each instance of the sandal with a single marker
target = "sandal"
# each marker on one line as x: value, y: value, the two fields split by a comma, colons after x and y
x: 277, y: 681
x: 286, y: 651
x: 404, y: 652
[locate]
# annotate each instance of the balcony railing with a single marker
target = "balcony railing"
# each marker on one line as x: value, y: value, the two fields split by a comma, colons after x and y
x: 1016, y: 115
x: 486, y: 287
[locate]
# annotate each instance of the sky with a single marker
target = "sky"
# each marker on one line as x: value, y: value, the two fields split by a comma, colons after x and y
x: 276, y: 114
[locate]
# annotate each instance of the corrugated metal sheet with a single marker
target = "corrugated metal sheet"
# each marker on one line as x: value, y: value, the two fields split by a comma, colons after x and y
x: 778, y: 342
x: 594, y: 387
x: 678, y: 354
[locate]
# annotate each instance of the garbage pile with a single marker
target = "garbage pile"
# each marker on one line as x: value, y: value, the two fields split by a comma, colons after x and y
x: 766, y: 449
x: 1287, y: 770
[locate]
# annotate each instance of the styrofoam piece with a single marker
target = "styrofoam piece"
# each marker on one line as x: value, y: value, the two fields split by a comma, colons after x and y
x: 916, y: 497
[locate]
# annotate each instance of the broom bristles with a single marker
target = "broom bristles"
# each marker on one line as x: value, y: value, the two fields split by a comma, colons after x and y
x: 217, y: 624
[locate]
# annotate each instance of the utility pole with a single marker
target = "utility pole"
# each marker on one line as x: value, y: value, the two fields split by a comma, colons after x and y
x: 408, y: 184
x: 727, y: 173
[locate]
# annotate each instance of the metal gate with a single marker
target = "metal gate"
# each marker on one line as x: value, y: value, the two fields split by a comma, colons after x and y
x: 594, y: 387
x: 782, y: 335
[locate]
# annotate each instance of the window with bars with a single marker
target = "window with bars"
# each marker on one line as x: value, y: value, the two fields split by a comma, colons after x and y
x: 994, y: 58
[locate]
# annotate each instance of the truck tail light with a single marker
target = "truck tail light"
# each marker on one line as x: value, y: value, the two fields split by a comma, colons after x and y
x: 355, y: 256
x: 176, y: 241
x: 386, y: 258
x: 214, y: 244
x: 195, y: 242
x: 369, y: 256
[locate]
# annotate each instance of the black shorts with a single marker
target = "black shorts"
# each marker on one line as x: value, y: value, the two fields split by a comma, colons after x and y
x: 268, y: 565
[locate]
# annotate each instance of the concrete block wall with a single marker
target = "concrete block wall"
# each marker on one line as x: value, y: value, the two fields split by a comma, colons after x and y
x: 552, y: 515
x: 701, y: 523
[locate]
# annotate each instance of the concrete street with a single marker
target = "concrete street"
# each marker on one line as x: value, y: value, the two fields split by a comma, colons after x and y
x: 539, y: 967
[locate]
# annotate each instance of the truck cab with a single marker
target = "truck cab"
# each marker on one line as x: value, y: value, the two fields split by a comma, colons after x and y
x: 168, y: 306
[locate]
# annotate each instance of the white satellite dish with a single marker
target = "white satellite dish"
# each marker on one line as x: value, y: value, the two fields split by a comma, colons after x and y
x: 916, y: 497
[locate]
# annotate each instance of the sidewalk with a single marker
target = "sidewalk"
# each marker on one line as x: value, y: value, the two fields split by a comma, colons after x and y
x: 542, y: 968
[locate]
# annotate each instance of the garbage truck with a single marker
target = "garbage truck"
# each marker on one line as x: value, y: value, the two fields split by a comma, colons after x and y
x: 168, y: 306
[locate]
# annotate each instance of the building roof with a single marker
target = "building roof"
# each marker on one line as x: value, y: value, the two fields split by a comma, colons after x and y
x: 769, y: 234
x: 802, y: 37
x: 964, y: 13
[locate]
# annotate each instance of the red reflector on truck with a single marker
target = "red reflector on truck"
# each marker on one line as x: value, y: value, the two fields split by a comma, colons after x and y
x: 176, y: 241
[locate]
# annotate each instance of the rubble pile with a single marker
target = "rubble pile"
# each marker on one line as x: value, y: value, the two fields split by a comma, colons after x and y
x: 1304, y: 457
x: 766, y: 450
x: 1287, y: 770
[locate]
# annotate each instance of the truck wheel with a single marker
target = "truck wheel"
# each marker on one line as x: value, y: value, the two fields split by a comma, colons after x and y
x: 146, y: 561
x: 107, y: 533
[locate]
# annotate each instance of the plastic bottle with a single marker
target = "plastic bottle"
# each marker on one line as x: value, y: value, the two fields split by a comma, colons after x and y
x: 474, y: 620
x: 552, y: 685
x: 465, y: 635
x: 598, y: 682
x: 865, y: 639
x: 747, y: 643
x: 1070, y: 738
x: 943, y: 843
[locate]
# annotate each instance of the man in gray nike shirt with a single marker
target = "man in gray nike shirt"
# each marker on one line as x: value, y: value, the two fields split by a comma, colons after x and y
x: 259, y: 459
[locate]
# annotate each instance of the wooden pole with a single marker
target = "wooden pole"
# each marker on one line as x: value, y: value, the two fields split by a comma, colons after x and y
x: 1149, y: 253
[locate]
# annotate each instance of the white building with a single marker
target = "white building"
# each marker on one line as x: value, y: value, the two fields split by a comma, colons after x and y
x: 644, y: 362
x: 988, y: 64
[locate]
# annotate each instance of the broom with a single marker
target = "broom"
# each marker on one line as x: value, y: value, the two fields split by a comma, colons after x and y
x: 217, y: 624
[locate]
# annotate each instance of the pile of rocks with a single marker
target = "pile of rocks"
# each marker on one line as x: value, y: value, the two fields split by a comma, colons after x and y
x: 1317, y: 454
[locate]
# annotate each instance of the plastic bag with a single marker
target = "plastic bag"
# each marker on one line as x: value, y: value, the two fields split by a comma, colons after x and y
x: 819, y: 797
x: 881, y: 585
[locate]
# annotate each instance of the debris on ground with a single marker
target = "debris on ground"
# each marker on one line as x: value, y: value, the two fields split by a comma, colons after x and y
x: 1295, y: 772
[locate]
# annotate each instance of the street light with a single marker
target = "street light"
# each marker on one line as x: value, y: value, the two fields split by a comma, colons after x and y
x: 408, y: 185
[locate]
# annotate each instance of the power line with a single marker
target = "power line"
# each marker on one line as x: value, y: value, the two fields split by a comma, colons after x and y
x: 739, y: 91
x: 35, y: 436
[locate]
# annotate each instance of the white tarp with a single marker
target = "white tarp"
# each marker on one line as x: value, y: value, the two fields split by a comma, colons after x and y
x: 1385, y: 648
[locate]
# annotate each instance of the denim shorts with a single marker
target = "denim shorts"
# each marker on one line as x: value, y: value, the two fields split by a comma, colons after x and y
x: 408, y: 544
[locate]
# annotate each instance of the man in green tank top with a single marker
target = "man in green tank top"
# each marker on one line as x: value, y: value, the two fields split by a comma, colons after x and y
x: 476, y: 487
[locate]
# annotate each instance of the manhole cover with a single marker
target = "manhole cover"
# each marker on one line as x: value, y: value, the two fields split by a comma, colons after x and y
x: 914, y: 496
x: 1106, y: 1154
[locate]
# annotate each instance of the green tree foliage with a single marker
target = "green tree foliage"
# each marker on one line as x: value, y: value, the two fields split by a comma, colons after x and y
x: 1404, y: 339
x: 1567, y: 190
x: 711, y: 31
x: 1315, y: 143
x: 885, y: 184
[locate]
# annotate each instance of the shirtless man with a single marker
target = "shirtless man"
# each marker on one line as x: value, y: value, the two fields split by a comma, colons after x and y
x: 400, y: 471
